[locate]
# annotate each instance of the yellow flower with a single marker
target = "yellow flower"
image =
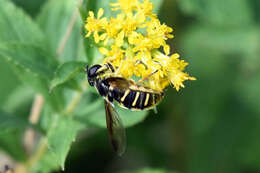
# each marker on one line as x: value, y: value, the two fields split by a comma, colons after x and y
x: 127, y: 6
x: 95, y: 25
x: 131, y: 42
x: 115, y: 55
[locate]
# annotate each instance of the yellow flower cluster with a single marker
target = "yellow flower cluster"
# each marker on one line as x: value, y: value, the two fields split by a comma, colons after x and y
x: 131, y: 40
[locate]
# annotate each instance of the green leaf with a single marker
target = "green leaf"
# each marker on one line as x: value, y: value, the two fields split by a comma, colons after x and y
x: 66, y: 72
x: 61, y: 132
x: 15, y: 25
x: 11, y: 81
x: 10, y: 122
x: 32, y: 65
x: 92, y: 113
x: 40, y: 85
x: 31, y: 7
x: 55, y: 18
x: 10, y: 142
x: 24, y: 46
x: 30, y: 57
x: 60, y: 137
x: 47, y: 164
x: 11, y: 131
x: 46, y: 118
x: 19, y: 98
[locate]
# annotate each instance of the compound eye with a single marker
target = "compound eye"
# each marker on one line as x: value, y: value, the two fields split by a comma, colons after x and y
x: 92, y: 71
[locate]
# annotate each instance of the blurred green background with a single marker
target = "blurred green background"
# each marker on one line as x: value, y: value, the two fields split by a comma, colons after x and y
x: 210, y: 126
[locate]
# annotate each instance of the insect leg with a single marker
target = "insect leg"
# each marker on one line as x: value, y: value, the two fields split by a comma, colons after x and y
x: 147, y: 77
x: 117, y: 70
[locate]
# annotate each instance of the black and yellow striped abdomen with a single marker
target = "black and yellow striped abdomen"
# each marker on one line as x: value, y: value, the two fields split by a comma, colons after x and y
x: 137, y: 99
x: 128, y: 94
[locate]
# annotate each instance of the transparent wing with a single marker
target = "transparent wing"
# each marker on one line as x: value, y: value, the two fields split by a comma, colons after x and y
x: 115, y: 129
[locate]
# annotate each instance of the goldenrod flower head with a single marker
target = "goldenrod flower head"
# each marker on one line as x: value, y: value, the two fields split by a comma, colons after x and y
x: 131, y: 42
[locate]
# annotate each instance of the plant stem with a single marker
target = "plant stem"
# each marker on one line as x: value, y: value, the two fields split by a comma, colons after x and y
x: 77, y: 96
x: 43, y: 145
x: 29, y: 137
x: 38, y: 154
x: 68, y: 32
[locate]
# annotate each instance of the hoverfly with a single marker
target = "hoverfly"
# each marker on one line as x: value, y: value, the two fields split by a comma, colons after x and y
x: 127, y: 93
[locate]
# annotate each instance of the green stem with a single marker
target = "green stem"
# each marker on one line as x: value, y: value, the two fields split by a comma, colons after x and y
x: 41, y: 149
x: 43, y: 145
x: 76, y: 99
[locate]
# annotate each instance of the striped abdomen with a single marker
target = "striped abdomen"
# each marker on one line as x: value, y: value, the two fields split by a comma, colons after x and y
x: 137, y: 99
x: 128, y: 94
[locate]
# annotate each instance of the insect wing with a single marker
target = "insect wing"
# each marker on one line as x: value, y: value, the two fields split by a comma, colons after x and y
x: 119, y: 83
x: 115, y: 129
